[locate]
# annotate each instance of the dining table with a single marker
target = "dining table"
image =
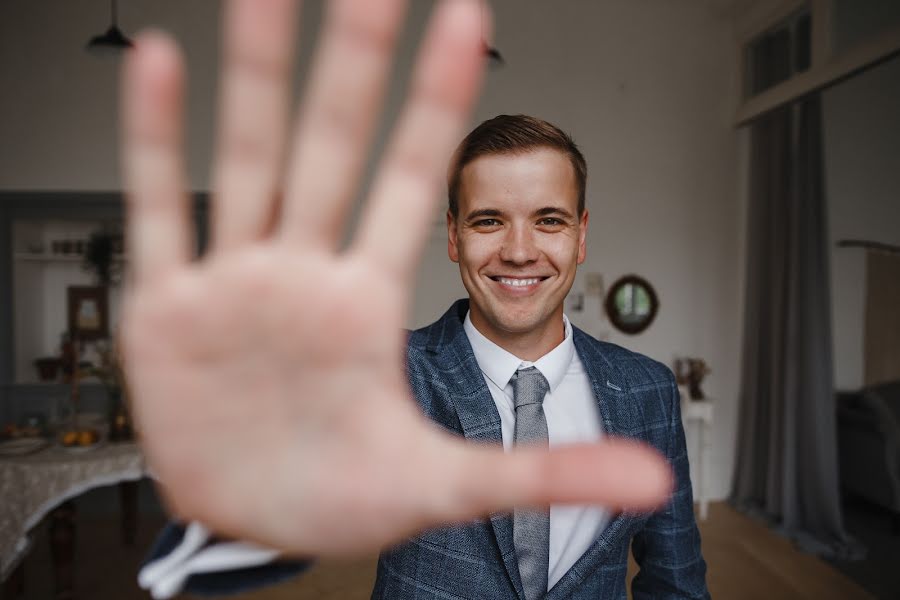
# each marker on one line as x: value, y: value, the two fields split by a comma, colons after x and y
x: 41, y: 481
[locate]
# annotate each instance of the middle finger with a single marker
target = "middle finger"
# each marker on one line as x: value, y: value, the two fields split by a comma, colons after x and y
x: 257, y: 48
x: 338, y: 117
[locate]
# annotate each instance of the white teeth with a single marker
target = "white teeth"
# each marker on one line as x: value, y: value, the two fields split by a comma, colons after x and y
x: 517, y: 282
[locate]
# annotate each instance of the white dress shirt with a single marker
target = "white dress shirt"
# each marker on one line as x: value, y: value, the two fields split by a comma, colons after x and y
x: 572, y: 416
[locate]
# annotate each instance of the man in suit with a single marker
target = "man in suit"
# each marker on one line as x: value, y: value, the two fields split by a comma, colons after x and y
x: 273, y: 407
x: 517, y: 226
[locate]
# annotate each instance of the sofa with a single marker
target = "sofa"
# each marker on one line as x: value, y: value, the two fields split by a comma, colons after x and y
x: 869, y: 445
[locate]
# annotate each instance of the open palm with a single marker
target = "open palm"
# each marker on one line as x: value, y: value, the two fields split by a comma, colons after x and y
x: 268, y: 378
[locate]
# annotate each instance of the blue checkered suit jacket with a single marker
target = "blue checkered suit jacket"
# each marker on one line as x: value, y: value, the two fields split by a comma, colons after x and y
x: 637, y: 398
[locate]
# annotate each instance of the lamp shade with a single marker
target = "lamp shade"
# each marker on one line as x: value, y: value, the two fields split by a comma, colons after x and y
x: 112, y: 41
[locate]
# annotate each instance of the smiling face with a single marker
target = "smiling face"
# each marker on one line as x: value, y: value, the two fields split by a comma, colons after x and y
x: 518, y: 238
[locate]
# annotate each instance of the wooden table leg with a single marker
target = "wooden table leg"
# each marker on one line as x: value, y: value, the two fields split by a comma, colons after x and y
x: 62, y: 549
x: 14, y: 586
x: 128, y: 498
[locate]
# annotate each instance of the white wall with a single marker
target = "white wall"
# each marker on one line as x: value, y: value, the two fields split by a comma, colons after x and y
x: 647, y: 88
x: 855, y: 22
x: 59, y: 109
x: 862, y: 167
x: 40, y: 281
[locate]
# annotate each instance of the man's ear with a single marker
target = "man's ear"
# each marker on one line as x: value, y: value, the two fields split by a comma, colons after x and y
x: 452, y: 248
x: 582, y: 236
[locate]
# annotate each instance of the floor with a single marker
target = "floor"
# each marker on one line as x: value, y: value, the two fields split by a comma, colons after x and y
x: 746, y: 561
x: 873, y: 527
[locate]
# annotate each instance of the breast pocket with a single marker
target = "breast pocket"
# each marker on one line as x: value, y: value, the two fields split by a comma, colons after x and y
x: 460, y: 562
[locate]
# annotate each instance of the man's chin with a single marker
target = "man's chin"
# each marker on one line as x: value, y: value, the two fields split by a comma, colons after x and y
x: 510, y: 315
x: 518, y: 323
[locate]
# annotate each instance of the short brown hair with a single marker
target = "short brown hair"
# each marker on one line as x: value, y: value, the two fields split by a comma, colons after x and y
x: 513, y: 134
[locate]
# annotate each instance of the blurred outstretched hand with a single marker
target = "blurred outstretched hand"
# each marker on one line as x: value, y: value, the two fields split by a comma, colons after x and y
x: 267, y: 378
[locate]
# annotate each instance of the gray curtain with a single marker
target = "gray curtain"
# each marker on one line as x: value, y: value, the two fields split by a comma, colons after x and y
x: 786, y: 467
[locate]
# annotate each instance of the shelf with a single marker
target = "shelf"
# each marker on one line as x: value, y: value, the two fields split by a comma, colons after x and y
x: 54, y: 385
x: 58, y: 258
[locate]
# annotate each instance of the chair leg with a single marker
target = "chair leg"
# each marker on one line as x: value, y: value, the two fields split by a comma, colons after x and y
x: 128, y: 498
x: 14, y: 586
x: 62, y: 549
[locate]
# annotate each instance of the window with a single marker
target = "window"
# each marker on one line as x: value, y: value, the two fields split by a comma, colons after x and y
x: 778, y: 54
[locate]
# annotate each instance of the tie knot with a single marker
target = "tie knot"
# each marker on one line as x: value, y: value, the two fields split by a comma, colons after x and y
x: 529, y: 387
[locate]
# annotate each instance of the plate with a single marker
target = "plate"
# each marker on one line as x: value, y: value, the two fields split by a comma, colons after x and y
x: 81, y: 449
x: 21, y: 446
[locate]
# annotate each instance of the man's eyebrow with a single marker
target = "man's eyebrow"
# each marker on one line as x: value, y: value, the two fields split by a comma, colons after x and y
x: 553, y: 210
x: 483, y: 212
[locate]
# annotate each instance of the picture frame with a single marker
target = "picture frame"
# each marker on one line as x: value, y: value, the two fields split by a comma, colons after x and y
x: 88, y: 312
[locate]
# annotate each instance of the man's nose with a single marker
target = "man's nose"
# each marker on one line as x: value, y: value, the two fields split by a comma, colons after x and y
x: 519, y: 246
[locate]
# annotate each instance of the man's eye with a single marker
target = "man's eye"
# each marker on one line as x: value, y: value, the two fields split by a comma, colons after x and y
x: 486, y: 223
x: 550, y: 222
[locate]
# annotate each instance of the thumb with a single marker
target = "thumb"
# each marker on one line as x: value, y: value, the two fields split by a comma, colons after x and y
x: 616, y: 472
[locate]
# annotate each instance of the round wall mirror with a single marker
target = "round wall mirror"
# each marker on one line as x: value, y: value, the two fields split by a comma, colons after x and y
x: 631, y: 304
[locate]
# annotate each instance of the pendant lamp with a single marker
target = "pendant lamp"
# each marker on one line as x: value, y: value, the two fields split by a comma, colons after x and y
x: 113, y: 41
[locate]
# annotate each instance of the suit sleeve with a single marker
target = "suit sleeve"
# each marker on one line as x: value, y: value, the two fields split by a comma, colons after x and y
x: 189, y: 559
x: 667, y: 549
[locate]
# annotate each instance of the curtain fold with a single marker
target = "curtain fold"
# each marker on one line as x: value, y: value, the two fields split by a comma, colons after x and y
x: 786, y: 467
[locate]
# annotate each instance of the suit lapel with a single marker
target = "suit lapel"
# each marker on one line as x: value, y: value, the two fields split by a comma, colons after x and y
x: 476, y: 410
x: 619, y: 417
x: 610, y: 389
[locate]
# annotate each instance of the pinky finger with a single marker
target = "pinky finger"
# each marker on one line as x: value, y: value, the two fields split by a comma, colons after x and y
x: 152, y: 100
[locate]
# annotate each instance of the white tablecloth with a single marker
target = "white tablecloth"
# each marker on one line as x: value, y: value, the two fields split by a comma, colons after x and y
x: 33, y: 485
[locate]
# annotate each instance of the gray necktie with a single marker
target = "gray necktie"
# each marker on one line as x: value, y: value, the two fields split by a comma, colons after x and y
x: 531, y: 529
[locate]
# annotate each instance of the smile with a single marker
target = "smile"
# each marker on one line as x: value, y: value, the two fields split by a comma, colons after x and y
x: 518, y: 282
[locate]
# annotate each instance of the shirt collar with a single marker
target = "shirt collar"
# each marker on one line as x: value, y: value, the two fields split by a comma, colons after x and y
x: 498, y: 365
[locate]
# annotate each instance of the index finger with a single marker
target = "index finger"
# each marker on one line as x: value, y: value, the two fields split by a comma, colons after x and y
x: 152, y: 99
